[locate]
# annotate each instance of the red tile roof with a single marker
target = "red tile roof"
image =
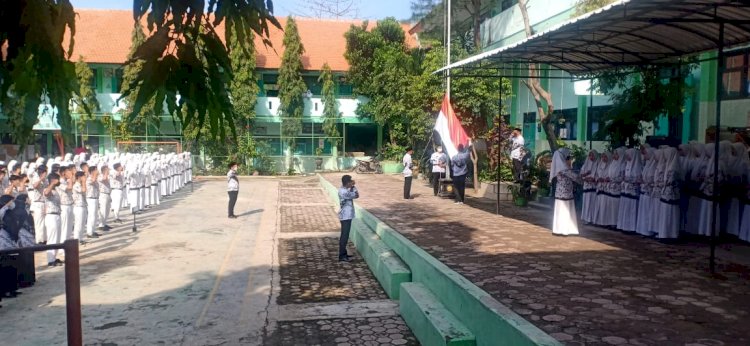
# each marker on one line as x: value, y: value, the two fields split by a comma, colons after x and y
x: 103, y: 36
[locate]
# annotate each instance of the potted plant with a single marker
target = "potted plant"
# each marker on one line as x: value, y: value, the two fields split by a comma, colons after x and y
x: 520, y: 194
x: 319, y: 158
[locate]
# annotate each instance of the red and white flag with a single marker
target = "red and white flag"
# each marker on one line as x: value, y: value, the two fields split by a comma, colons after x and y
x: 450, y: 129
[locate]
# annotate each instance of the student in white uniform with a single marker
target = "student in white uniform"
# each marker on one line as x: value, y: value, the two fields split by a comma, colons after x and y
x: 645, y: 202
x: 38, y: 183
x: 105, y: 201
x: 52, y: 218
x: 79, y: 207
x: 439, y: 160
x: 117, y: 183
x: 738, y: 180
x: 564, y: 220
x: 347, y: 194
x: 408, y: 174
x: 65, y: 191
x: 668, y: 209
x: 92, y: 201
x: 628, y: 213
x: 588, y: 175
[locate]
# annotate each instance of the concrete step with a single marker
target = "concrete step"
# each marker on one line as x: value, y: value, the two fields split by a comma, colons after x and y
x: 387, y: 267
x: 431, y: 322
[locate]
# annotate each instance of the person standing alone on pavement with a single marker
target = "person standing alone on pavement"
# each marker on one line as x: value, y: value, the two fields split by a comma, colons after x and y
x: 233, y: 188
x: 438, y: 161
x: 347, y: 194
x: 407, y: 172
x: 459, y: 166
x: 517, y: 153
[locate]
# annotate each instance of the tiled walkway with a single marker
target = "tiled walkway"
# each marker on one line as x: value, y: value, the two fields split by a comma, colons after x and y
x: 312, y: 279
x: 603, y: 287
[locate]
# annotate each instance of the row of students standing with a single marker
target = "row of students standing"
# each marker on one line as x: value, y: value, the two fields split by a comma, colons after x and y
x: 69, y: 196
x: 664, y: 191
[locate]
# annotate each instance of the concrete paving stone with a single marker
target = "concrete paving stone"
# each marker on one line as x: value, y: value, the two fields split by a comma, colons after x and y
x: 307, y: 259
x: 340, y: 333
x: 607, y: 272
x: 306, y: 218
x: 296, y: 195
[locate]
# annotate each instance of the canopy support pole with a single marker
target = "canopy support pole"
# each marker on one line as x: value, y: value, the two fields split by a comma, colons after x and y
x: 499, y: 134
x: 715, y: 202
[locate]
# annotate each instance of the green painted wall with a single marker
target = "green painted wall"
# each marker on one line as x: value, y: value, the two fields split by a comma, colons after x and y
x: 583, y: 110
x: 708, y: 77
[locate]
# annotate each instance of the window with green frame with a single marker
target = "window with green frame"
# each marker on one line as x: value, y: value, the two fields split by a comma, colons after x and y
x: 269, y: 84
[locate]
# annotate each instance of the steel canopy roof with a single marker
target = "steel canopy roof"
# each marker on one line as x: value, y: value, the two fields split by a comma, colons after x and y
x: 627, y: 33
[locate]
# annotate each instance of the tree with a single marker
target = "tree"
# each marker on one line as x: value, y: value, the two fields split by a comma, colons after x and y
x: 184, y: 56
x: 330, y: 106
x: 586, y: 6
x: 542, y: 97
x: 420, y: 8
x: 291, y: 87
x: 34, y: 63
x: 333, y: 8
x: 638, y: 98
x: 84, y: 102
x: 244, y: 85
x: 135, y: 125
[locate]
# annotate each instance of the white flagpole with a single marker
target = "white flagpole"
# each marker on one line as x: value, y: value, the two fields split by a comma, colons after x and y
x: 448, y: 71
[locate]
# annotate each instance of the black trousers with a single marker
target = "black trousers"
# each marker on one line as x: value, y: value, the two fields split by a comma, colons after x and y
x: 436, y: 182
x: 346, y: 226
x: 459, y: 184
x: 407, y: 187
x: 232, y: 201
x: 517, y: 169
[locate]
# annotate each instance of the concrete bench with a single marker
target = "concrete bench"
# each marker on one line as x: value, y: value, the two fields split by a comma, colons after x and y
x: 387, y: 267
x: 431, y: 322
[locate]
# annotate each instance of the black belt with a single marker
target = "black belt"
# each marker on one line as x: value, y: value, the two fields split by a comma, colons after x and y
x: 154, y: 184
x: 104, y: 193
x: 53, y: 213
x: 114, y: 188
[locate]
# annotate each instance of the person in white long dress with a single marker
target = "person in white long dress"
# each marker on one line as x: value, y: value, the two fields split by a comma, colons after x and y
x: 615, y: 173
x: 564, y: 221
x: 709, y: 191
x: 646, y: 202
x: 737, y: 180
x: 588, y: 175
x: 628, y: 213
x: 693, y: 182
x: 601, y: 189
x: 658, y: 187
x: 669, y: 203
x: 686, y: 165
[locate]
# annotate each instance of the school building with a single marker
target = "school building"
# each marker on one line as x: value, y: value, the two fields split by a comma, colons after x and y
x: 103, y: 39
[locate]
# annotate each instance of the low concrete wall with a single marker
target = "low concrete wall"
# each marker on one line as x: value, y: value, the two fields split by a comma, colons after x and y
x: 490, y: 321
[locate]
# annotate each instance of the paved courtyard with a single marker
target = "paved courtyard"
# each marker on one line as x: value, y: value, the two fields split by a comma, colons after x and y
x: 191, y: 276
x: 602, y: 288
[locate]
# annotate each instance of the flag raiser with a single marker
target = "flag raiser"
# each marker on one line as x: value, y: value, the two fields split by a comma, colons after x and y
x: 449, y: 128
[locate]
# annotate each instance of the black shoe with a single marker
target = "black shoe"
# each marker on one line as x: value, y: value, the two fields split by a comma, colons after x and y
x: 232, y: 216
x: 107, y: 227
x: 100, y: 229
x: 344, y: 259
x: 59, y: 262
x: 93, y: 235
x: 118, y: 220
x: 51, y: 264
x: 82, y: 242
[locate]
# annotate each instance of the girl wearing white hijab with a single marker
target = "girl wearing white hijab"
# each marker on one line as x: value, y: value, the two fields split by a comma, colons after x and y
x: 601, y: 189
x: 564, y: 218
x: 669, y: 204
x: 615, y: 173
x: 693, y: 185
x: 737, y: 181
x: 588, y: 174
x: 628, y: 213
x: 646, y: 203
x: 709, y: 191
